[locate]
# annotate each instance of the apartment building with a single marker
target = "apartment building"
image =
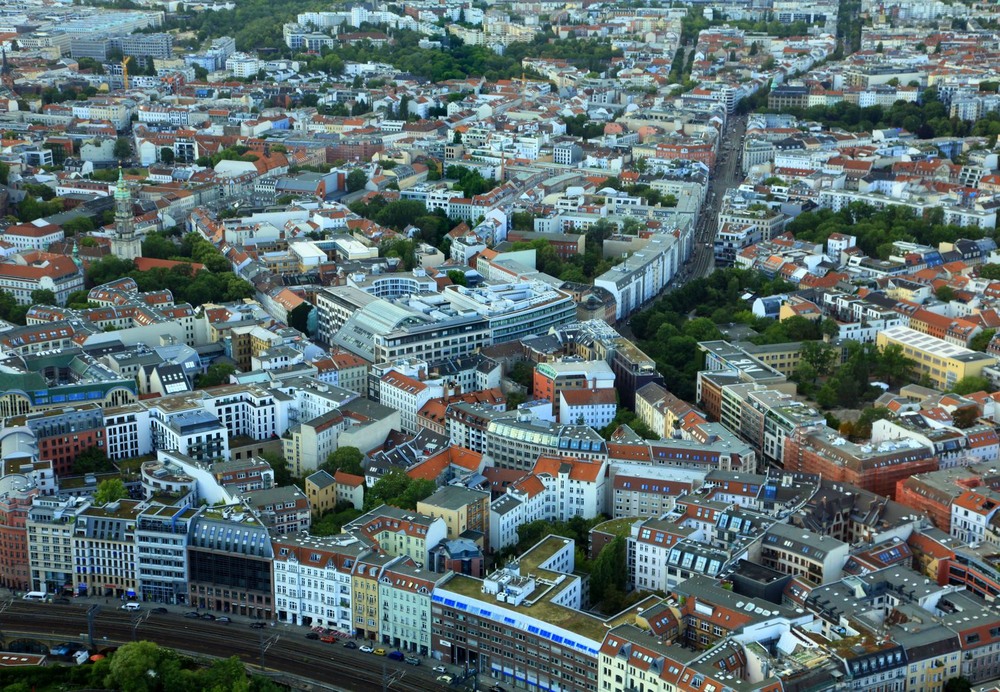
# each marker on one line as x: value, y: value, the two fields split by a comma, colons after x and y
x: 400, y: 532
x: 51, y: 524
x: 821, y: 450
x: 104, y: 550
x: 17, y: 491
x: 405, y: 602
x: 161, y: 537
x: 466, y: 512
x: 312, y: 579
x: 406, y: 395
x: 643, y: 274
x: 283, y: 509
x: 491, y: 625
x: 812, y: 557
x: 639, y: 490
x: 551, y: 379
x: 366, y: 591
x: 516, y: 440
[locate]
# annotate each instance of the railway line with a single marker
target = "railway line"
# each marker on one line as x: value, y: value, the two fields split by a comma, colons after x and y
x: 326, y: 666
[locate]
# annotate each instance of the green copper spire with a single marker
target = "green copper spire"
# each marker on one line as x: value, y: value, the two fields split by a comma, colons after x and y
x: 121, y: 191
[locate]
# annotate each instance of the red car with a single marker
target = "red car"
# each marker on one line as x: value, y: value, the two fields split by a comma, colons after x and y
x: 328, y: 638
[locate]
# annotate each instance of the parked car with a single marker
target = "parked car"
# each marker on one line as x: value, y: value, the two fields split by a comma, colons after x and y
x: 207, y: 616
x: 62, y: 601
x: 365, y: 649
x: 445, y: 679
x: 192, y: 614
x: 379, y: 651
x: 61, y: 649
x: 412, y: 660
x: 439, y: 669
x: 224, y: 620
x: 350, y: 644
x: 258, y: 625
x: 312, y: 635
x: 328, y: 638
x: 497, y: 688
x: 159, y: 611
x: 396, y: 655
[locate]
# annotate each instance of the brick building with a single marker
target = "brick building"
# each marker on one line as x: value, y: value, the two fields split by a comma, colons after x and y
x: 822, y: 451
x: 16, y: 494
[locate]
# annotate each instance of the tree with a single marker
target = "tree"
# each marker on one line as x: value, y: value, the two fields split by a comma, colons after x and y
x: 131, y: 666
x: 92, y: 460
x: 346, y: 459
x: 523, y: 373
x: 982, y: 340
x: 78, y: 300
x: 945, y: 294
x: 298, y: 318
x: 863, y: 426
x: 457, y: 277
x: 610, y: 570
x: 356, y: 180
x: 282, y: 474
x: 958, y: 684
x: 123, y: 149
x: 78, y: 226
x: 418, y: 489
x: 216, y: 374
x: 894, y: 365
x: 43, y: 296
x: 990, y: 271
x: 166, y: 155
x: 969, y: 385
x: 389, y: 487
x: 110, y: 490
x: 626, y: 417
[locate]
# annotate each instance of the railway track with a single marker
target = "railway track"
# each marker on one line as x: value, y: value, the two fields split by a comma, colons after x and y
x: 325, y: 666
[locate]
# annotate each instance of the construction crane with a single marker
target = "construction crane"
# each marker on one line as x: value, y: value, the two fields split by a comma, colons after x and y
x: 125, y: 63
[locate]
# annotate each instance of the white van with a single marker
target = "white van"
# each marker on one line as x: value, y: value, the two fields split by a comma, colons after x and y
x: 131, y: 605
x: 35, y: 596
x: 81, y: 657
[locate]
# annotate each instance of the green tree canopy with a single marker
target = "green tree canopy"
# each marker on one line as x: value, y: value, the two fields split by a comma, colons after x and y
x: 92, y: 460
x: 216, y: 374
x: 356, y: 180
x: 346, y: 459
x: 969, y: 385
x: 123, y: 149
x: 43, y: 296
x: 110, y: 490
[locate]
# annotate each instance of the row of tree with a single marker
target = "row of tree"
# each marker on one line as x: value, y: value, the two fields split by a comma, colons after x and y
x: 877, y: 229
x: 669, y: 331
x: 218, y: 283
x: 141, y: 667
x: 927, y: 118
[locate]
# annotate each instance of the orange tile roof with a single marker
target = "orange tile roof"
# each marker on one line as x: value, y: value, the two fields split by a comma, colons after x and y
x: 579, y: 470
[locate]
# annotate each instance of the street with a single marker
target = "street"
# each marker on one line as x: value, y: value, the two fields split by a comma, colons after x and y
x: 727, y: 174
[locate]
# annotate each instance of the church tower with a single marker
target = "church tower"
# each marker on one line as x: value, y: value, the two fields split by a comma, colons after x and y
x: 125, y: 243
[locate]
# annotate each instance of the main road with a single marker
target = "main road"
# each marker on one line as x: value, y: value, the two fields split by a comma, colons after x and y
x: 325, y: 666
x: 727, y: 174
